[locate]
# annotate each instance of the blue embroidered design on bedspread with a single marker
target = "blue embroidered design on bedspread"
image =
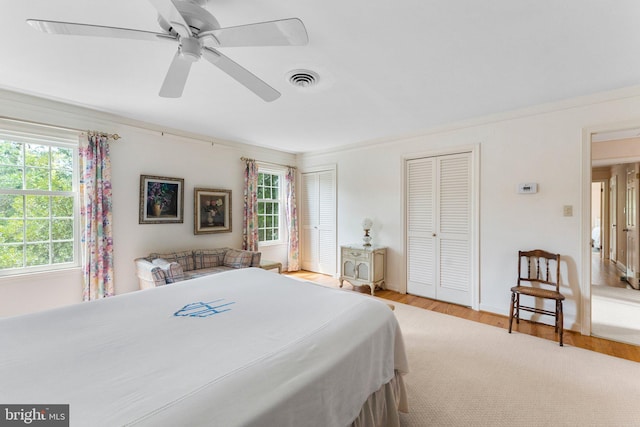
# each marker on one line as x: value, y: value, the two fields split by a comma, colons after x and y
x: 202, y: 309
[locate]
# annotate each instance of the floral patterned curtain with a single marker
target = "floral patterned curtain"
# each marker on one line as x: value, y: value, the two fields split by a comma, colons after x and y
x: 250, y: 218
x: 292, y: 220
x: 95, y: 214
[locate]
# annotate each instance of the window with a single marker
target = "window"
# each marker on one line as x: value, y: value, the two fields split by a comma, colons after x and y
x: 38, y: 190
x: 269, y: 203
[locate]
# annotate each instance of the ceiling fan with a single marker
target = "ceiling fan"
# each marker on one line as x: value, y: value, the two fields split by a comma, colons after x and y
x: 198, y: 34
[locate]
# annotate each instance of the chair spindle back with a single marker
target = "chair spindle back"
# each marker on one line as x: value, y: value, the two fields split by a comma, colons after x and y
x: 546, y: 274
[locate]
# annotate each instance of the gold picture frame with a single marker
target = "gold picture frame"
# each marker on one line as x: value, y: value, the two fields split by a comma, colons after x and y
x: 161, y: 200
x: 211, y: 211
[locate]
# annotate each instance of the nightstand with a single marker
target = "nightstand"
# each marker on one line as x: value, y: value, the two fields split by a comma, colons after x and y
x: 363, y: 265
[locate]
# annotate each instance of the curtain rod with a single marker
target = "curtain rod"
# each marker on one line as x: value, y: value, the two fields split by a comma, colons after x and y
x: 113, y: 136
x: 244, y: 159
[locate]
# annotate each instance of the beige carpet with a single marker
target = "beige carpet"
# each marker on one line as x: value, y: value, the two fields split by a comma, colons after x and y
x: 465, y: 373
x: 615, y: 314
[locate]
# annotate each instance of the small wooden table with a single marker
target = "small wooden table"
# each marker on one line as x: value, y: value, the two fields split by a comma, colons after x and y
x: 363, y: 265
x: 269, y: 265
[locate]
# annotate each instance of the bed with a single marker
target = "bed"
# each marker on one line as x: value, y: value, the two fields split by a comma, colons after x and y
x: 595, y: 237
x: 240, y: 348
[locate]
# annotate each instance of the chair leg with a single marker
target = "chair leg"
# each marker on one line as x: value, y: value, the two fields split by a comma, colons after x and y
x: 513, y: 301
x: 560, y: 321
x: 517, y: 308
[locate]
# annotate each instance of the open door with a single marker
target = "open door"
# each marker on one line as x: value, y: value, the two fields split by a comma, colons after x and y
x: 631, y: 230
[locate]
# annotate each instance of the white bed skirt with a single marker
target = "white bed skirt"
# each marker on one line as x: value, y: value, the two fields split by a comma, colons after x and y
x: 383, y: 406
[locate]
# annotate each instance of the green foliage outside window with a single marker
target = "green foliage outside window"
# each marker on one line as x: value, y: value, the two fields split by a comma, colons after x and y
x: 268, y: 207
x: 36, y: 204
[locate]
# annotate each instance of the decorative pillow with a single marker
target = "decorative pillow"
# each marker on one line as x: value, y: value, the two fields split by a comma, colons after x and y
x: 172, y: 270
x: 159, y: 277
x: 255, y: 259
x: 237, y: 259
x: 207, y: 258
x: 184, y: 258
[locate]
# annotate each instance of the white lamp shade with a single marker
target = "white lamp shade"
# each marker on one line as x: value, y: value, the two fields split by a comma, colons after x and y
x: 367, y: 224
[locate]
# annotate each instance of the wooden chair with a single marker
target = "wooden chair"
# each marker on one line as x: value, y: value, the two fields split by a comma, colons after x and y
x: 542, y: 280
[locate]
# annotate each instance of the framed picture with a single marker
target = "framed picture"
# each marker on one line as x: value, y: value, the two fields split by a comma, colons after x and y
x: 161, y: 200
x: 211, y: 211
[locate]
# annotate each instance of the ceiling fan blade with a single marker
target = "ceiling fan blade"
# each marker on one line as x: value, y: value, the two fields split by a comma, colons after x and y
x: 176, y: 77
x: 283, y: 32
x: 242, y: 75
x: 70, y: 28
x: 170, y: 13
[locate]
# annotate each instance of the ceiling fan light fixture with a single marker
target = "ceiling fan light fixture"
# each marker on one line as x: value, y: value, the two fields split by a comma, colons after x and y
x: 191, y: 49
x: 303, y: 78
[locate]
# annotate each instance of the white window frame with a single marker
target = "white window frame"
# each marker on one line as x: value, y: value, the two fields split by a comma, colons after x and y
x: 52, y: 141
x: 280, y: 200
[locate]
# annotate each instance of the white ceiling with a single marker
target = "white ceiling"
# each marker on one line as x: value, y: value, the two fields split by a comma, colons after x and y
x: 387, y: 68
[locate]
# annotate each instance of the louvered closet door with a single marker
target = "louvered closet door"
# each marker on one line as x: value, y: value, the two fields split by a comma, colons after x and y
x: 421, y: 227
x: 309, y: 222
x: 327, y: 222
x: 439, y: 228
x: 318, y: 213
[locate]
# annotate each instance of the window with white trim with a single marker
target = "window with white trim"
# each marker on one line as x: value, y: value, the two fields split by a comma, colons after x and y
x: 270, y: 206
x: 38, y: 203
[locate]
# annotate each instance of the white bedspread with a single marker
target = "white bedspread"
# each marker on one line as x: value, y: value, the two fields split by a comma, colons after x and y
x: 286, y: 353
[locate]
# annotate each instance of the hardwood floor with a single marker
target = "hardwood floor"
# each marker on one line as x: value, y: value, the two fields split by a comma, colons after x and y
x: 605, y: 273
x: 612, y: 348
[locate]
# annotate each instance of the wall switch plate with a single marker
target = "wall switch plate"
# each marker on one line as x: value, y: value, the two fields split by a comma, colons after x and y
x: 567, y: 210
x: 528, y: 188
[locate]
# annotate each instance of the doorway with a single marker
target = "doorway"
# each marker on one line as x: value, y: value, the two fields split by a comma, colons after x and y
x: 615, y: 302
x: 597, y: 204
x: 613, y: 220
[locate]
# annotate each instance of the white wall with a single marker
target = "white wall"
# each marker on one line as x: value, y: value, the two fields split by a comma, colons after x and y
x: 140, y: 151
x: 542, y: 145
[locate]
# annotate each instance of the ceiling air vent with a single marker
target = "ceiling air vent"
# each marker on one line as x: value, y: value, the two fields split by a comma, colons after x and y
x: 303, y: 78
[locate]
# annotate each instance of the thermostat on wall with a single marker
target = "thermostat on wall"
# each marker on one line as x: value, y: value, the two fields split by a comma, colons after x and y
x: 528, y: 188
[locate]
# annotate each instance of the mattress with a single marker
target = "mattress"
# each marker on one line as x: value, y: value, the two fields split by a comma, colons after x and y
x: 241, y: 348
